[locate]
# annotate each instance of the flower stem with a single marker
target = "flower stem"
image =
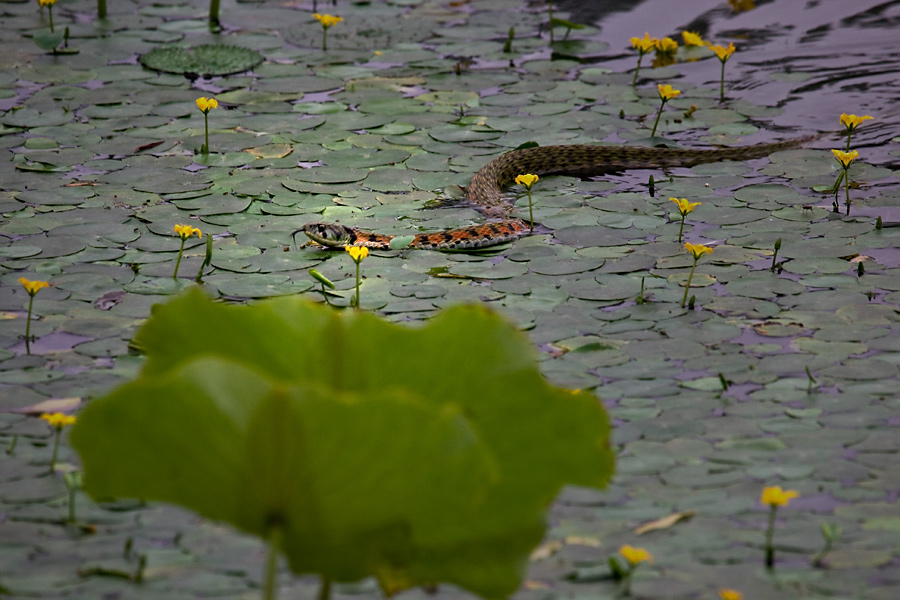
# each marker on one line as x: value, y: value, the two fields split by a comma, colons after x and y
x: 178, y: 262
x: 638, y: 69
x: 324, y: 39
x: 28, y: 325
x: 658, y: 115
x: 681, y: 229
x: 849, y: 133
x: 325, y: 589
x: 687, y: 287
x: 357, y: 284
x: 206, y: 129
x: 722, y: 84
x: 770, y: 533
x: 50, y: 12
x: 847, y: 182
x: 270, y: 585
x: 530, y: 213
x: 55, y: 449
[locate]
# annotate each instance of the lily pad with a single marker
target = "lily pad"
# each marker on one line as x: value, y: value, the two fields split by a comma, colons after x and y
x: 205, y: 60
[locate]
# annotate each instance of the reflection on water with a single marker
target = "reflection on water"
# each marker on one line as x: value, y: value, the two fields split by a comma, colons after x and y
x: 813, y: 59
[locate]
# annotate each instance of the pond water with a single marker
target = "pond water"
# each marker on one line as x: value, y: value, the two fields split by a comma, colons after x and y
x: 775, y: 376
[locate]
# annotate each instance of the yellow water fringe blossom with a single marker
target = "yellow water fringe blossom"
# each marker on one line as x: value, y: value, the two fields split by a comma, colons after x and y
x: 186, y: 231
x: 357, y: 253
x: 851, y: 122
x: 666, y: 45
x: 723, y: 52
x: 644, y: 44
x: 33, y: 287
x: 692, y: 39
x: 845, y: 158
x: 527, y: 180
x: 46, y: 2
x: 775, y: 496
x: 667, y: 92
x: 727, y: 594
x: 697, y: 250
x: 327, y: 20
x: 207, y: 104
x: 634, y: 555
x: 685, y: 207
x: 58, y: 420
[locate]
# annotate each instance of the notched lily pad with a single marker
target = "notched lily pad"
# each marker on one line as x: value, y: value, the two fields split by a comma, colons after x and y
x: 208, y: 59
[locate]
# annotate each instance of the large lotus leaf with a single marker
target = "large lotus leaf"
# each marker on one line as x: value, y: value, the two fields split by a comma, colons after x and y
x: 466, y: 359
x: 208, y: 59
x: 355, y: 481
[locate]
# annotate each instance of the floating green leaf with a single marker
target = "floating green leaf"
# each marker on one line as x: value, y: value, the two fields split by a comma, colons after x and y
x: 208, y: 59
x: 281, y: 415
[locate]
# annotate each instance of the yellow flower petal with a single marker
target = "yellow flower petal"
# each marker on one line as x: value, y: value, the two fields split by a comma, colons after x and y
x: 692, y: 39
x: 33, y: 287
x: 697, y: 250
x: 58, y: 420
x: 685, y: 207
x: 327, y: 20
x: 775, y: 496
x: 207, y: 104
x: 845, y: 158
x: 635, y: 556
x: 723, y: 52
x: 666, y: 45
x: 727, y: 594
x: 667, y: 92
x: 644, y: 44
x: 851, y: 122
x: 527, y: 180
x: 357, y: 253
x: 186, y: 231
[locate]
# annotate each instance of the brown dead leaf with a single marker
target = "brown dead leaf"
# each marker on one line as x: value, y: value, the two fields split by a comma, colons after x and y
x: 546, y: 550
x: 49, y: 406
x: 664, y: 523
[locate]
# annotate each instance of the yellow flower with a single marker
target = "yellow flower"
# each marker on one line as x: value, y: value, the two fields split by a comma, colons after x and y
x: 726, y: 594
x: 667, y: 92
x: 186, y: 231
x: 697, y: 250
x: 723, y: 52
x: 527, y: 180
x: 685, y: 207
x: 207, y: 104
x: 692, y: 39
x: 644, y: 44
x: 851, y: 122
x: 58, y: 420
x: 741, y: 5
x: 327, y: 20
x: 845, y: 158
x: 775, y: 496
x: 666, y: 45
x: 635, y: 556
x: 33, y: 287
x: 357, y: 253
x: 46, y: 2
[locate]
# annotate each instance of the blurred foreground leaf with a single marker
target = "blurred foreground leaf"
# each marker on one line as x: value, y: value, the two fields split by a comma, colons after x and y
x: 413, y: 455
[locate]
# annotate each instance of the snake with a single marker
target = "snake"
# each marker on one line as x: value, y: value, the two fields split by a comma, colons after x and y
x: 485, y: 190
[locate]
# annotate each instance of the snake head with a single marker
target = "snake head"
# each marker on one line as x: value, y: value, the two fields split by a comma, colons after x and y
x: 328, y: 234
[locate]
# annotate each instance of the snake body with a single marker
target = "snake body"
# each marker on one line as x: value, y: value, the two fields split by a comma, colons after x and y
x: 485, y: 190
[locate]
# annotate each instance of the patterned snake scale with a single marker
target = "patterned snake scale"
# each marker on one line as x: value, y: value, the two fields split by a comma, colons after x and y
x: 485, y: 190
